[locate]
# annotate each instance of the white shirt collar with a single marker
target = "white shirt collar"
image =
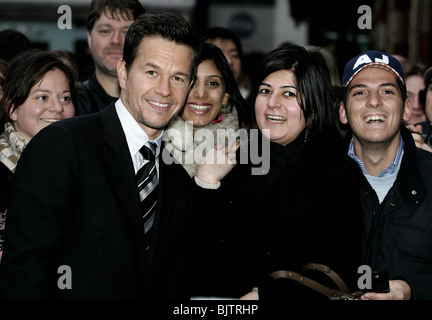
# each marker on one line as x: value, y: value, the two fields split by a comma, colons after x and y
x: 135, y: 135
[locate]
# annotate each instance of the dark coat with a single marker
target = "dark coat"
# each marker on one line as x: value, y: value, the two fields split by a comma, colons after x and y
x: 400, y: 237
x: 6, y: 178
x: 75, y: 202
x: 91, y: 97
x: 306, y: 209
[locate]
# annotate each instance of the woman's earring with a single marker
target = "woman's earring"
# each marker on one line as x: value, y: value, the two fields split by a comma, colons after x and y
x: 218, y: 119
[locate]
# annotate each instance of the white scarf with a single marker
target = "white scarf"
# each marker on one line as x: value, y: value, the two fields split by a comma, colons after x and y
x: 180, y: 139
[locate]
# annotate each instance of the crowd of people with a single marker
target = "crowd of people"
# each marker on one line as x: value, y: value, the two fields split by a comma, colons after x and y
x: 171, y: 173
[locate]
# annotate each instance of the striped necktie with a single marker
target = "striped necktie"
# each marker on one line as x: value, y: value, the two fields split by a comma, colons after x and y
x: 148, y: 186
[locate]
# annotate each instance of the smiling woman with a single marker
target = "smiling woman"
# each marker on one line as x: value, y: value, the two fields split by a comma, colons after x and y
x: 277, y: 107
x: 37, y: 92
x: 291, y: 214
x: 213, y: 113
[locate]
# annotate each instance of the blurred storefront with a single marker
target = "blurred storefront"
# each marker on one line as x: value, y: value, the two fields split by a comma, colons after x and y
x: 397, y: 26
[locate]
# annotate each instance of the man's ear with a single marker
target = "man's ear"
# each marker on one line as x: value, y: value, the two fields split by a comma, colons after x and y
x: 407, y: 111
x: 122, y: 73
x: 342, y: 114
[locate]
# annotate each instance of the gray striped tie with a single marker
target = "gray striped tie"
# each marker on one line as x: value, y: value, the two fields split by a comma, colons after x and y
x: 148, y: 187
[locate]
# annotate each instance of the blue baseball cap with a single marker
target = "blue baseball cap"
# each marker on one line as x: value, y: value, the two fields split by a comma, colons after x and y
x: 370, y: 59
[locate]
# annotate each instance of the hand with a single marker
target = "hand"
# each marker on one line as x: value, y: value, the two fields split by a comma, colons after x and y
x: 253, y: 295
x: 217, y: 164
x: 399, y: 290
x: 416, y: 132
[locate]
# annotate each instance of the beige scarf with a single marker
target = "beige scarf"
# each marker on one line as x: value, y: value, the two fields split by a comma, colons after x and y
x: 12, y: 145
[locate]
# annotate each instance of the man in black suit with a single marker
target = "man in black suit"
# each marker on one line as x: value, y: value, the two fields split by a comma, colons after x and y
x: 75, y: 224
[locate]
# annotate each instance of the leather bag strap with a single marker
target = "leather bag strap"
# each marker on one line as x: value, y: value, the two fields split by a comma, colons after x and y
x: 332, y: 294
x: 329, y: 272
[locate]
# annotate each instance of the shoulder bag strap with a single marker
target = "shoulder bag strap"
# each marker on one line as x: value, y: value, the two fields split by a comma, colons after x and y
x: 329, y: 272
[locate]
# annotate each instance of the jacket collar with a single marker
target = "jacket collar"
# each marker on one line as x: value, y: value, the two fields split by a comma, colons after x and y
x: 409, y: 180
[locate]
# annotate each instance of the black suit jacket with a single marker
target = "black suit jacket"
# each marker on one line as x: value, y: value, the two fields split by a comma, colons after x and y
x: 75, y: 203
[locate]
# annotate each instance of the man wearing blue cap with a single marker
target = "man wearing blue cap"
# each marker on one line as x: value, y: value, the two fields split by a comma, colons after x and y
x: 396, y: 187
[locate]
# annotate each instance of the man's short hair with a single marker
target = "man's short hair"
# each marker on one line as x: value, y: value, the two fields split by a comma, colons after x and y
x: 127, y: 9
x: 163, y: 24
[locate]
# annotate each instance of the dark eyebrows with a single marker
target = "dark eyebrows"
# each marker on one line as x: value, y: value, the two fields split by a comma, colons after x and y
x: 211, y: 76
x: 389, y: 85
x: 361, y: 85
x: 281, y: 87
x: 156, y: 67
x: 49, y: 92
x: 356, y: 86
x: 288, y: 86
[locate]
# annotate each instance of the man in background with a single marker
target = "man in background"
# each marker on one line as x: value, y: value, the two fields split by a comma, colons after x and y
x: 107, y: 23
x: 231, y: 46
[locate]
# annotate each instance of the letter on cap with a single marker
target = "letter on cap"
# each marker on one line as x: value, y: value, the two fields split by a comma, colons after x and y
x: 385, y: 59
x: 362, y: 60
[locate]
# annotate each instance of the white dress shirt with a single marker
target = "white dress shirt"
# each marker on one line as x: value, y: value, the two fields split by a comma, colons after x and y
x: 135, y: 136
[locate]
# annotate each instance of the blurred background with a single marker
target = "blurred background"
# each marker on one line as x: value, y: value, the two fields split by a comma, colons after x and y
x: 401, y: 27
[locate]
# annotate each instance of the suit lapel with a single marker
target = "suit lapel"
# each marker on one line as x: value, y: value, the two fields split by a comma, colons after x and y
x: 121, y: 171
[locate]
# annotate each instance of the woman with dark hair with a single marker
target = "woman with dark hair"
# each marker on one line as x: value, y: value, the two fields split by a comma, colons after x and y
x: 38, y: 91
x: 214, y: 109
x: 298, y: 209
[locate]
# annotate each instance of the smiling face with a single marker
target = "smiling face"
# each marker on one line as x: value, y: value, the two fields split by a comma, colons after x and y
x: 277, y: 108
x: 155, y: 88
x: 106, y: 41
x: 206, y: 97
x: 415, y: 83
x: 49, y: 101
x: 374, y: 108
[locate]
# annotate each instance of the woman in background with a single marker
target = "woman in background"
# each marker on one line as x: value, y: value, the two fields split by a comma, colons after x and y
x: 38, y: 91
